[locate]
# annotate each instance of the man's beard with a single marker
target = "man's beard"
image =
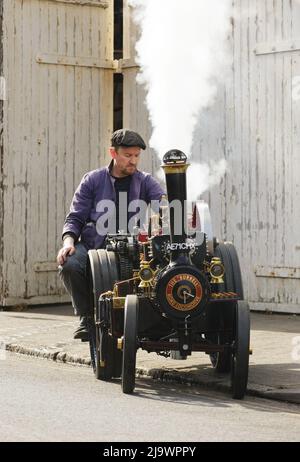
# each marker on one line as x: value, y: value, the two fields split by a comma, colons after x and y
x: 128, y: 171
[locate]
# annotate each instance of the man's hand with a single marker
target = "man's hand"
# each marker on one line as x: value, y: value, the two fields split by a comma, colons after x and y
x: 67, y: 249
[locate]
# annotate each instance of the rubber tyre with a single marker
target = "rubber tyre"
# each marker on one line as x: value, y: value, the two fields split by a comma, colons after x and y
x: 102, y: 273
x: 129, y: 344
x: 221, y: 362
x: 240, y: 352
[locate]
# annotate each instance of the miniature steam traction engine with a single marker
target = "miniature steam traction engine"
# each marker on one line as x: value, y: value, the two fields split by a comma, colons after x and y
x: 171, y: 292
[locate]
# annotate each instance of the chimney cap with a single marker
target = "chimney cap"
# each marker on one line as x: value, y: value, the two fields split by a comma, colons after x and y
x: 174, y: 156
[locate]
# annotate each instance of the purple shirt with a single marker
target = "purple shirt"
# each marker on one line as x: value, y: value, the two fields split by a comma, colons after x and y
x: 96, y: 186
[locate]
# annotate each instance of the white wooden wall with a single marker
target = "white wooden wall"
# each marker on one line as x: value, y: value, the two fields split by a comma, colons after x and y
x: 255, y: 124
x: 257, y: 204
x: 58, y: 117
x: 57, y: 121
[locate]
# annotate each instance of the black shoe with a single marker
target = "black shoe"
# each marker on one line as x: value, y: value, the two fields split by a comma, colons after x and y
x: 82, y: 332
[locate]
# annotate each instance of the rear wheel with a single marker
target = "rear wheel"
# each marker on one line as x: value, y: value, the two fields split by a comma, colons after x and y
x: 130, y: 343
x: 106, y: 359
x: 240, y: 351
x: 232, y: 283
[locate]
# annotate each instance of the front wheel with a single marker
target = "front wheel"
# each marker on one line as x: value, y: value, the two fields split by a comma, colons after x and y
x: 240, y: 351
x: 130, y: 343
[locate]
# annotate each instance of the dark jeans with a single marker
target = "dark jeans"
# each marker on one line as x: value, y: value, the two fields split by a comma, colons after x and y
x: 73, y: 274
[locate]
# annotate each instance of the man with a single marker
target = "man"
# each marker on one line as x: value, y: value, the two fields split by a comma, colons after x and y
x: 81, y: 230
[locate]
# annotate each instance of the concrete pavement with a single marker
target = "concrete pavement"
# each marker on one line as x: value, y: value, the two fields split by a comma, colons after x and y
x: 274, y: 366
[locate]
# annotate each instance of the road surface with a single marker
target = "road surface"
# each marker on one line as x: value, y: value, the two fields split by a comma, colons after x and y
x: 41, y: 400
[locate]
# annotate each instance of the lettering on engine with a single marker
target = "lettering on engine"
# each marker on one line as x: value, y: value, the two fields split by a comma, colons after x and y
x: 180, y: 246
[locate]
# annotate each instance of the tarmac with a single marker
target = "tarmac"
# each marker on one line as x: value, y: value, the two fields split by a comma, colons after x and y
x: 274, y: 372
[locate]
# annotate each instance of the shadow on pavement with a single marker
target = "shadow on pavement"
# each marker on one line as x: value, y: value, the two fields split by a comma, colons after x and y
x: 192, y: 396
x: 53, y: 310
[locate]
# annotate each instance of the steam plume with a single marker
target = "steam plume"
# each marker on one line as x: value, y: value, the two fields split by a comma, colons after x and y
x: 181, y: 52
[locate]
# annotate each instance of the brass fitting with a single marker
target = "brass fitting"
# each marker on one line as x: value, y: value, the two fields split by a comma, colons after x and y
x: 146, y: 275
x: 120, y: 343
x: 108, y: 294
x: 216, y: 271
x: 119, y: 303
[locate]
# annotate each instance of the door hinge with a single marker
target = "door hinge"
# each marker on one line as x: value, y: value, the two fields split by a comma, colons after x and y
x: 123, y: 64
x: 80, y: 61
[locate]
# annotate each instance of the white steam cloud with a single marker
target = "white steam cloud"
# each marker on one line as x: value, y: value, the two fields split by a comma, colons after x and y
x: 201, y: 177
x: 182, y: 53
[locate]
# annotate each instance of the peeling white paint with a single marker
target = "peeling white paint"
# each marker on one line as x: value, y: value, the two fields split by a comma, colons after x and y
x: 2, y: 88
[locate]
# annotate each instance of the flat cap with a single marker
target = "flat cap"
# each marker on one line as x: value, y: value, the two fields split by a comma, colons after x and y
x: 127, y: 138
